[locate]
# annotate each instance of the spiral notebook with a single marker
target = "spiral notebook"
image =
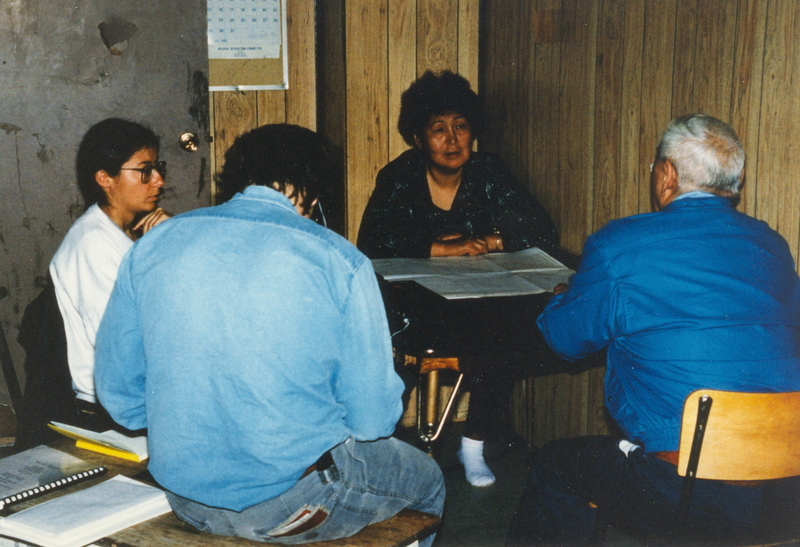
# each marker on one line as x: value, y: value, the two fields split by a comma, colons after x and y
x: 40, y: 470
x: 87, y: 515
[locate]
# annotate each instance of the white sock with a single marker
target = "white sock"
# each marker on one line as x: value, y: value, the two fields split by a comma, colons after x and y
x: 471, y: 457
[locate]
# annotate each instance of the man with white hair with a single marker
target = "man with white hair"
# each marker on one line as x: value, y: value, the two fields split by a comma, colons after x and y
x: 694, y: 295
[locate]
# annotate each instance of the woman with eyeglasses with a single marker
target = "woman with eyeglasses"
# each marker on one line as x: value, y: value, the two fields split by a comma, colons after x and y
x: 121, y: 180
x: 440, y: 198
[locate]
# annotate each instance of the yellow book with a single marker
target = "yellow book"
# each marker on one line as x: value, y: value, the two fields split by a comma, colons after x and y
x: 109, y: 442
x: 103, y: 449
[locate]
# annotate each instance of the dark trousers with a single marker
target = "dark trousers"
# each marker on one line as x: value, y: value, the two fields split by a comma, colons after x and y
x: 638, y: 493
x: 490, y: 383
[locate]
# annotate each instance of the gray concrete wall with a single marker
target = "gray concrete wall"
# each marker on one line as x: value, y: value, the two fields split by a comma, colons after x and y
x: 59, y: 74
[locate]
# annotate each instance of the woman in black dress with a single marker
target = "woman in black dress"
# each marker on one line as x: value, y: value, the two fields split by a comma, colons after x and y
x: 440, y: 198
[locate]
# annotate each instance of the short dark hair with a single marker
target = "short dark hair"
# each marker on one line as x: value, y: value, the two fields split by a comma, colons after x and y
x: 436, y: 94
x: 276, y: 156
x: 106, y: 146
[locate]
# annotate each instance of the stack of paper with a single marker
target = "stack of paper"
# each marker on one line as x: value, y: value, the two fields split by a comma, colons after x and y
x: 531, y: 271
x: 87, y: 515
x: 109, y: 442
x: 38, y: 471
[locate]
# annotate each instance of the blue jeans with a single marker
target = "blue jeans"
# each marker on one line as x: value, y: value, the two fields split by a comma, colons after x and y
x: 638, y: 492
x: 372, y: 481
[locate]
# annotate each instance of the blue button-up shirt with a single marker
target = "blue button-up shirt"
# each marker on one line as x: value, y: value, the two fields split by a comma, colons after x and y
x: 695, y: 296
x: 248, y: 340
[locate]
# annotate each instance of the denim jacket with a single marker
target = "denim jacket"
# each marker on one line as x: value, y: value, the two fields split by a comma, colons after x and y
x: 248, y: 340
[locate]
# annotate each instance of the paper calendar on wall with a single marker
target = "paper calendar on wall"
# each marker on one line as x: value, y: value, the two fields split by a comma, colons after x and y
x: 247, y: 44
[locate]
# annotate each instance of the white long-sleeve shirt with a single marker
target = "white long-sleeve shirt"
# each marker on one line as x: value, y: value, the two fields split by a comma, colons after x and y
x: 84, y: 270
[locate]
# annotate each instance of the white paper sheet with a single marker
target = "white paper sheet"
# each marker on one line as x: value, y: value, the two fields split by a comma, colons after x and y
x: 531, y: 271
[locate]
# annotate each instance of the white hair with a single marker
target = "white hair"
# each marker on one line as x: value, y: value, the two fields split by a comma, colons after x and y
x: 706, y: 153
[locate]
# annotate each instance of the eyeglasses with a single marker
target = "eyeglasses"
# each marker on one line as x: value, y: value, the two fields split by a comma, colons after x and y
x: 147, y: 170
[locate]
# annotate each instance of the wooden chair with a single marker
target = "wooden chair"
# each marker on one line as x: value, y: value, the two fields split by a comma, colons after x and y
x: 733, y: 436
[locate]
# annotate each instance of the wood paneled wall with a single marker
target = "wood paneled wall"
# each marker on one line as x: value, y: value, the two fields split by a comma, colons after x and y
x: 236, y: 112
x: 374, y: 49
x: 579, y: 92
x: 349, y: 61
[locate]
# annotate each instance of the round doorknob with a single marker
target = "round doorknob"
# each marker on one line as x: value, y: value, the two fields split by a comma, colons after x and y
x: 189, y: 142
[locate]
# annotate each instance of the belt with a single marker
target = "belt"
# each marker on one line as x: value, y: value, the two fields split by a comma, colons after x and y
x: 672, y: 457
x: 669, y: 457
x: 324, y: 463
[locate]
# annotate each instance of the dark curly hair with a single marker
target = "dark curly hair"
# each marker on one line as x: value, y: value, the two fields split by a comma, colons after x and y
x: 106, y: 146
x: 277, y: 155
x: 433, y: 95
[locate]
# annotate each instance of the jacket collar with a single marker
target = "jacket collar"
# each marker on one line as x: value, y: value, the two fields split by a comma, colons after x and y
x: 266, y: 194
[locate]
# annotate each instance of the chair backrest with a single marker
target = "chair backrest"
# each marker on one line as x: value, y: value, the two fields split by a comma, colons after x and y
x: 9, y: 372
x: 48, y: 388
x: 749, y: 436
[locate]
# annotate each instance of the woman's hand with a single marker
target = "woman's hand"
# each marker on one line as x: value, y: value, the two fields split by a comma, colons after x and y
x: 494, y: 243
x: 457, y: 245
x: 149, y: 221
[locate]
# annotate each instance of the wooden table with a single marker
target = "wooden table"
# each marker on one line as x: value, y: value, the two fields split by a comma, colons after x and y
x: 168, y: 531
x: 435, y: 334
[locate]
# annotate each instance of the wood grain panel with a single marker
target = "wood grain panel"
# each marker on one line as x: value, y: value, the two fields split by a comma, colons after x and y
x: 714, y: 58
x: 499, y: 101
x: 270, y: 106
x: 544, y: 121
x: 777, y: 191
x: 608, y: 95
x: 546, y: 413
x: 634, y: 177
x: 437, y: 35
x: 571, y: 405
x: 525, y: 69
x: 468, y: 32
x: 657, y: 64
x: 402, y: 53
x: 746, y: 90
x: 234, y: 113
x: 367, y: 124
x: 685, y: 47
x: 511, y: 140
x: 301, y: 97
x: 331, y: 78
x: 576, y: 128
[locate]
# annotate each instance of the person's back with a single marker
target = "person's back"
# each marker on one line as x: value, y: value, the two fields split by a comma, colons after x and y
x: 700, y: 295
x: 254, y: 346
x: 694, y: 295
x: 253, y: 289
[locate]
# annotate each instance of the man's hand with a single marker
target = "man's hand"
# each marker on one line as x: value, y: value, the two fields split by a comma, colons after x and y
x: 150, y: 220
x: 561, y: 287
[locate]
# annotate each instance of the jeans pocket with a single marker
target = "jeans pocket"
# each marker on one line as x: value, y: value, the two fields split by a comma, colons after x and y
x: 313, y: 504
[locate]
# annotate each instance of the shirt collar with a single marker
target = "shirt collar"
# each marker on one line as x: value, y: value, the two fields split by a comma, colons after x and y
x: 265, y: 193
x: 695, y: 194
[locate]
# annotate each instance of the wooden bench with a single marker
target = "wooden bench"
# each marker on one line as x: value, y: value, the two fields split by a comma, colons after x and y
x: 406, y: 528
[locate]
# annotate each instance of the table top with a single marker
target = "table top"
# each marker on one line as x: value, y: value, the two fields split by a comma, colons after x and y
x: 425, y: 324
x: 168, y: 531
